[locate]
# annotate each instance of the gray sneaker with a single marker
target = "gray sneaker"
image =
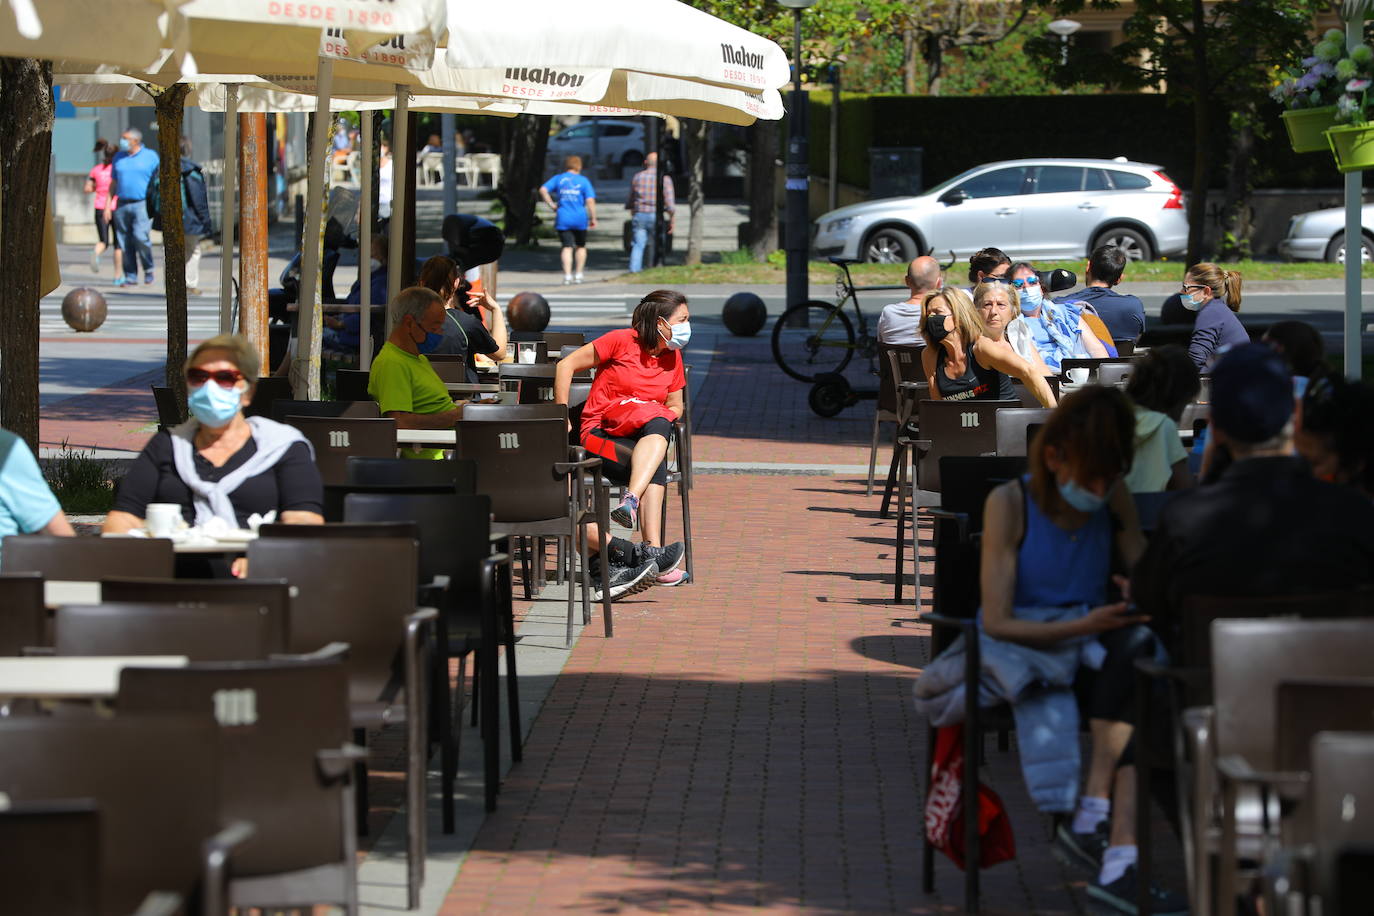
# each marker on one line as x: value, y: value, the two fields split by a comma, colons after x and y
x: 667, y: 558
x: 626, y: 580
x: 1082, y: 849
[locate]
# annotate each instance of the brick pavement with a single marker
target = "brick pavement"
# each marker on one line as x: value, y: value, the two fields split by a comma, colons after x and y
x: 120, y: 416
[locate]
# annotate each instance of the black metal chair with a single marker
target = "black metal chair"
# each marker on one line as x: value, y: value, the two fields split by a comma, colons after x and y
x: 23, y: 617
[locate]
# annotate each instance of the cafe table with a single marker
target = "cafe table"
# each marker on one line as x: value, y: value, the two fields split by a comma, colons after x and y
x: 73, y: 677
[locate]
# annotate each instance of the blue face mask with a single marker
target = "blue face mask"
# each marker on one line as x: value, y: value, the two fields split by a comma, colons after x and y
x: 124, y: 144
x: 1081, y: 499
x: 214, y: 406
x: 1031, y: 300
x: 1189, y: 301
x: 680, y: 334
x: 431, y: 341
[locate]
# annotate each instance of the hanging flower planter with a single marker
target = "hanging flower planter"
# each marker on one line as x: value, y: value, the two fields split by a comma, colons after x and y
x: 1306, y: 127
x: 1353, y: 146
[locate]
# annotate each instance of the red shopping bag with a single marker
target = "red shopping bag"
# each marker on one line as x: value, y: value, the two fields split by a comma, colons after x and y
x: 628, y: 415
x: 945, y: 806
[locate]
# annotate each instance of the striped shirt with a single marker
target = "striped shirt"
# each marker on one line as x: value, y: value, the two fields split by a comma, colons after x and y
x: 644, y: 192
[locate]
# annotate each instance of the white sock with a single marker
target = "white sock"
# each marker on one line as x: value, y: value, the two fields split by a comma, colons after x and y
x: 1091, y: 812
x: 1115, y: 861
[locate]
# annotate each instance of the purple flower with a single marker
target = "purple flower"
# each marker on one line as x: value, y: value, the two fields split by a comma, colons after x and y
x: 1324, y: 69
x: 1308, y: 81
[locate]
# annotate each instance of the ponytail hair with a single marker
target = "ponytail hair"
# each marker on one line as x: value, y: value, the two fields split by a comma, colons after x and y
x: 1224, y: 284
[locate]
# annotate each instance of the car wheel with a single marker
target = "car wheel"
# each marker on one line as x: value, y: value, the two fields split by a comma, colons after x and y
x: 889, y: 246
x: 1335, y: 252
x: 1136, y: 246
x: 632, y: 159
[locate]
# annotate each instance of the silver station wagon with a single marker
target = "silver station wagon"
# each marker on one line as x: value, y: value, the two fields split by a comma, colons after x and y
x: 1030, y: 208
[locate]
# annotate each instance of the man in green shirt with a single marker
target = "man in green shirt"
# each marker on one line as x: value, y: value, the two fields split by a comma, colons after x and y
x: 403, y: 383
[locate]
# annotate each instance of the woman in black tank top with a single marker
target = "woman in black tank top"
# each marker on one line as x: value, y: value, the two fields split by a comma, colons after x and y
x: 962, y: 363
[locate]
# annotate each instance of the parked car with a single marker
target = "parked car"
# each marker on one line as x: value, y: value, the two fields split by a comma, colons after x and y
x: 620, y: 142
x: 1320, y: 236
x: 1030, y: 208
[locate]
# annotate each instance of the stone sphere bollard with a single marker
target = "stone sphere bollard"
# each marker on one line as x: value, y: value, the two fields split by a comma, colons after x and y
x: 744, y: 314
x: 84, y: 309
x: 528, y: 312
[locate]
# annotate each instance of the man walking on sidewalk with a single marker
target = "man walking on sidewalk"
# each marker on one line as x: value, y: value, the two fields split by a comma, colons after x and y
x: 195, y: 215
x: 575, y: 214
x: 643, y: 206
x: 134, y: 168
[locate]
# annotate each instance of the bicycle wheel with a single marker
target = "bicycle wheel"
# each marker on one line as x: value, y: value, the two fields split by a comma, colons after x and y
x: 824, y: 343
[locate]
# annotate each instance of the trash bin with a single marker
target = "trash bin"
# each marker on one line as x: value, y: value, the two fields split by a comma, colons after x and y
x: 894, y: 171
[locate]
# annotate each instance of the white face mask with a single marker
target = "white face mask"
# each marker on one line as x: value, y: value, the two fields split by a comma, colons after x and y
x: 374, y: 265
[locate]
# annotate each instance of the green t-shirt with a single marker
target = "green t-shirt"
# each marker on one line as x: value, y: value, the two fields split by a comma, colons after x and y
x: 401, y: 381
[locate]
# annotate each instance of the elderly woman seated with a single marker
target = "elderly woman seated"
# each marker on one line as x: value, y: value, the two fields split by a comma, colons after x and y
x: 221, y: 464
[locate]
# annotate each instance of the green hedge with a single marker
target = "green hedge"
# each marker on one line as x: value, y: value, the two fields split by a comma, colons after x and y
x: 959, y: 133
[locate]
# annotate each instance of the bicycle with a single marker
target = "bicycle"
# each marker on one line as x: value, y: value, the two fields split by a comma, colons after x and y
x: 815, y: 338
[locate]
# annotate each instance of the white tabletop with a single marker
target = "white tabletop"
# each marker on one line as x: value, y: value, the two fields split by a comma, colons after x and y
x: 74, y: 677
x: 435, y: 438
x: 57, y: 592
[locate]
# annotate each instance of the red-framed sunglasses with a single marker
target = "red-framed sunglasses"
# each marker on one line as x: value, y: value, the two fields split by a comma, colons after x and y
x: 225, y: 378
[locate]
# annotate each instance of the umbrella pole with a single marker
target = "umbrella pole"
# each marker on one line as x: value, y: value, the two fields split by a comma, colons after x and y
x: 402, y: 173
x: 228, y: 207
x: 1354, y: 239
x: 305, y: 369
x: 365, y: 245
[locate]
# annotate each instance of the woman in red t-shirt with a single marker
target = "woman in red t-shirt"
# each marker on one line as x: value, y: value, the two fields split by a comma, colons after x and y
x: 627, y: 422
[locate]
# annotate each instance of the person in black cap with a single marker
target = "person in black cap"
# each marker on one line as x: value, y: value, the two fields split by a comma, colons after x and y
x: 1266, y: 526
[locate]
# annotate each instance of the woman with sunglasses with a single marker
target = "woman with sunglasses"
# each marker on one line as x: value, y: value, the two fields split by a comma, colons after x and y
x: 961, y: 362
x: 221, y: 464
x: 1215, y: 295
x: 1058, y: 331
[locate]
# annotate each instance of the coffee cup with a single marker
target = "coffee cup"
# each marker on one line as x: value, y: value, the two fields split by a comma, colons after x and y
x: 527, y: 352
x: 161, y: 519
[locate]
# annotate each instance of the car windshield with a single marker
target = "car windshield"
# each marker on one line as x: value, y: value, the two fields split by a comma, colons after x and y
x: 944, y: 185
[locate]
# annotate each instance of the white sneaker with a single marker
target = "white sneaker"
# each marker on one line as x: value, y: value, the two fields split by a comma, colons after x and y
x: 567, y: 280
x: 577, y: 278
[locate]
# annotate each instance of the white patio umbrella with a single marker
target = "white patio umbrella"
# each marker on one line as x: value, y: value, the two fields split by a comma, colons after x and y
x: 128, y: 33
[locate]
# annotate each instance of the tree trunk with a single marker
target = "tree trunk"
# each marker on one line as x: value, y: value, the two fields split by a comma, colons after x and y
x: 1237, y: 216
x: 26, y: 113
x: 694, y: 143
x: 170, y: 104
x: 1197, y: 204
x: 908, y: 62
x: 763, y: 204
x: 935, y: 64
x: 522, y: 175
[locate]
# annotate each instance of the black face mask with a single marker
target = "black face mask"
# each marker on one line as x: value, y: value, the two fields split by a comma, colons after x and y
x: 935, y: 330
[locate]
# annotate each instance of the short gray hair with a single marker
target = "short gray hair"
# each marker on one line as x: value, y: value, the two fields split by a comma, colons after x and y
x: 135, y: 133
x: 241, y: 353
x: 413, y: 301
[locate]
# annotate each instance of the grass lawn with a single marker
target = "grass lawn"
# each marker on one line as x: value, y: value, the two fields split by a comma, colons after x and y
x: 734, y: 271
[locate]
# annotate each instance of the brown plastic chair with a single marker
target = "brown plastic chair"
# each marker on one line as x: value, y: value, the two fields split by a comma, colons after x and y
x: 1249, y: 660
x: 271, y: 596
x: 87, y: 559
x: 210, y: 632
x: 896, y: 364
x: 170, y: 412
x: 1013, y: 425
x: 23, y: 616
x: 1308, y: 705
x: 282, y: 735
x: 555, y: 341
x: 536, y: 381
x: 455, y: 544
x: 266, y: 391
x: 544, y: 411
x: 51, y: 865
x: 365, y: 410
x: 156, y: 781
x: 1343, y: 815
x: 351, y: 384
x: 1111, y: 375
x: 525, y: 467
x: 361, y: 591
x: 335, y: 439
x: 461, y: 475
x: 1028, y: 398
x: 452, y: 371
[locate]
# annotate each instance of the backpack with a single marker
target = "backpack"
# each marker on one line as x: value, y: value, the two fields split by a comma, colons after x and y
x: 154, y: 199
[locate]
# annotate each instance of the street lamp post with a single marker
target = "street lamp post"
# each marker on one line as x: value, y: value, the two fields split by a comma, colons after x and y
x: 1064, y: 28
x: 798, y: 221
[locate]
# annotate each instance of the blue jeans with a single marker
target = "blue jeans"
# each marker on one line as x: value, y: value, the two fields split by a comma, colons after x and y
x: 132, y: 225
x: 641, y: 229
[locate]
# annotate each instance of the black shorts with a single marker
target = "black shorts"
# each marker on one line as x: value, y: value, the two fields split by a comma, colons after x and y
x: 573, y: 238
x: 615, y: 451
x: 102, y: 227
